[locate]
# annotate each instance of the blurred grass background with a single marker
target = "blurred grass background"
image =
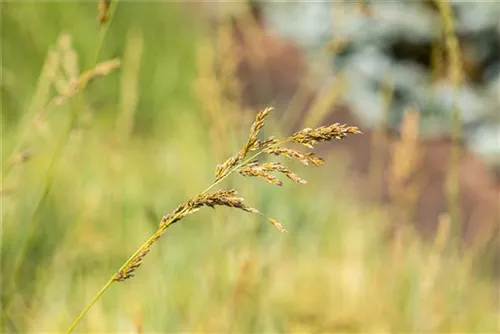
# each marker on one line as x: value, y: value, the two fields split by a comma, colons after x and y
x: 138, y: 148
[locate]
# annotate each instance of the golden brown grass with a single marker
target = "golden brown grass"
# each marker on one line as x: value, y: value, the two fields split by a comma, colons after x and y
x: 217, y: 86
x: 404, y: 166
x: 454, y: 71
x: 247, y: 166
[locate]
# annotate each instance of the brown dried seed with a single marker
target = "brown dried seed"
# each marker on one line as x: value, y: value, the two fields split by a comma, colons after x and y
x: 317, y: 161
x: 277, y: 225
x: 304, y: 158
x: 309, y: 137
x: 258, y: 145
x: 256, y: 171
x: 277, y: 167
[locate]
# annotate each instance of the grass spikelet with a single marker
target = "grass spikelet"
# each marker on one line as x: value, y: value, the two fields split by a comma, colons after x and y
x: 254, y: 169
x: 304, y: 158
x: 310, y: 137
x: 257, y: 125
x: 261, y: 144
x: 277, y: 167
x: 257, y: 171
x: 275, y: 223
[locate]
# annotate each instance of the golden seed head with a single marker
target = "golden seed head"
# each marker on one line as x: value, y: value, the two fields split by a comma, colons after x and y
x: 275, y: 223
x: 263, y: 171
x: 309, y: 137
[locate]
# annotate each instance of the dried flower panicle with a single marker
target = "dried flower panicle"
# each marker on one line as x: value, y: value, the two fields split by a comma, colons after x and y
x: 249, y: 167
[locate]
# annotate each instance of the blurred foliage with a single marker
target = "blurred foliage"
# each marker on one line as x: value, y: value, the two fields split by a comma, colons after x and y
x: 399, y: 42
x: 219, y: 271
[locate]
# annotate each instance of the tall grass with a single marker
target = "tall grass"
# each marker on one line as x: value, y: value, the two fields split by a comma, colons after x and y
x: 139, y: 147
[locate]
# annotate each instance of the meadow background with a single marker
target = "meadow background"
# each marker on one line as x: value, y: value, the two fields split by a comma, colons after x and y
x: 85, y: 181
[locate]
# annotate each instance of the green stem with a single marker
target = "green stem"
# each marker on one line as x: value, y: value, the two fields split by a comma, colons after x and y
x: 89, y: 306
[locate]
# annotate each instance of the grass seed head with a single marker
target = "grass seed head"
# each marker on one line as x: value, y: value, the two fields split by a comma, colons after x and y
x: 223, y: 169
x: 263, y: 171
x: 304, y: 158
x: 279, y: 226
x: 310, y: 137
x: 307, y: 137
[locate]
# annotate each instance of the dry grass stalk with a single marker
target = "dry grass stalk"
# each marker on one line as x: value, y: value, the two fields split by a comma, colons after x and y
x: 406, y: 155
x: 228, y: 198
x: 209, y: 92
x: 403, y: 181
x: 380, y: 139
x: 218, y: 87
x: 228, y: 64
x: 443, y: 233
x: 456, y: 76
x: 455, y: 67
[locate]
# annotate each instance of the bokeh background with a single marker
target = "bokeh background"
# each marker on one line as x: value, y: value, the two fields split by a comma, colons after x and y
x: 397, y: 232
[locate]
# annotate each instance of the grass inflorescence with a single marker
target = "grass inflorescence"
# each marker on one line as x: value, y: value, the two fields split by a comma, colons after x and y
x: 245, y: 166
